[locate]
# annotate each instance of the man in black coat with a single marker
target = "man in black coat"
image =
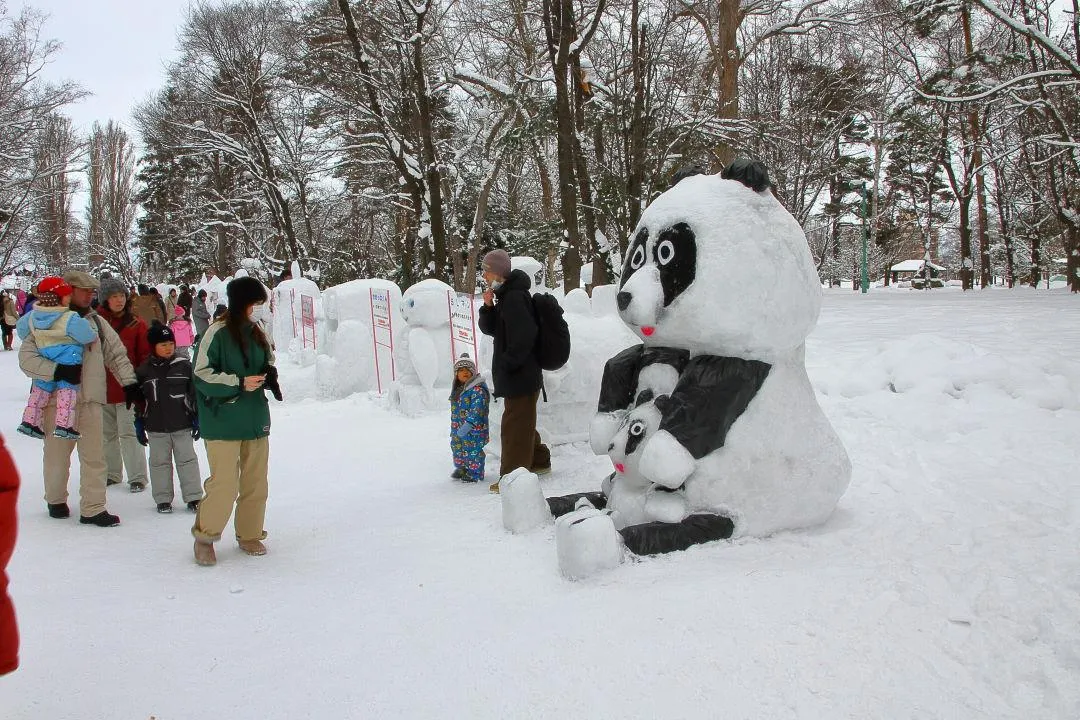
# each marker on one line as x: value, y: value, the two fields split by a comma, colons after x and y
x: 508, y: 316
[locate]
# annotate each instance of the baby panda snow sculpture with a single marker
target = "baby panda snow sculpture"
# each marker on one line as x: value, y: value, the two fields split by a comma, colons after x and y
x: 711, y: 423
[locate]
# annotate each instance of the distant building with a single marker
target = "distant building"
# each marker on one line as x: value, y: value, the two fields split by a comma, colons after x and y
x: 910, y: 269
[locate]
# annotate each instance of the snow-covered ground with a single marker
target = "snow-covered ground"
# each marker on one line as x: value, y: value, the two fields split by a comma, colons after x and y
x: 946, y: 585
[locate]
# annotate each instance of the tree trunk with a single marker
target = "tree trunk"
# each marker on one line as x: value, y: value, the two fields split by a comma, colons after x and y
x: 976, y: 164
x: 635, y: 179
x: 1072, y: 256
x: 728, y: 66
x: 1036, y: 258
x: 559, y: 16
x: 437, y: 268
x: 967, y: 272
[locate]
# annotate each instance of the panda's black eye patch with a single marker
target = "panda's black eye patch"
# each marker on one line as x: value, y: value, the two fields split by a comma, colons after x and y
x: 634, y: 436
x: 676, y: 256
x: 643, y: 397
x: 636, y: 255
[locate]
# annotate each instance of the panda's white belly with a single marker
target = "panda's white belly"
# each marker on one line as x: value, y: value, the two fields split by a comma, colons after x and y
x: 782, y: 465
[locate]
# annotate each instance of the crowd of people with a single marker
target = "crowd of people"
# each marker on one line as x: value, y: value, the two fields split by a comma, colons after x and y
x: 111, y: 378
x: 113, y: 373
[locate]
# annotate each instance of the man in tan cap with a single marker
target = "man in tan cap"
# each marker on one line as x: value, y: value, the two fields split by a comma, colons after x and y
x: 108, y: 351
x: 507, y: 316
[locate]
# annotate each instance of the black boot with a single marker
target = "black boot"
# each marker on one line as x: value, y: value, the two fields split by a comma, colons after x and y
x: 164, y: 508
x: 59, y: 511
x: 458, y: 474
x: 33, y: 431
x: 193, y: 506
x: 102, y: 519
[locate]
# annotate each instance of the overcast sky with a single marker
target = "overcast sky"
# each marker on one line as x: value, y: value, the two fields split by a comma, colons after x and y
x: 115, y: 49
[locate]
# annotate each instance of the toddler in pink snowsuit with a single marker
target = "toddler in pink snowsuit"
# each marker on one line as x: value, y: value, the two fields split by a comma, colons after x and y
x: 60, y: 335
x: 182, y: 331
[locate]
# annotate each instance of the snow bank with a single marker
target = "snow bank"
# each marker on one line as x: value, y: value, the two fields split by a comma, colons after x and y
x: 940, y: 368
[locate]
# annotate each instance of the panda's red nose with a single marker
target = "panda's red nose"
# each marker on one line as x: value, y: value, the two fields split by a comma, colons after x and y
x: 647, y: 330
x: 619, y: 467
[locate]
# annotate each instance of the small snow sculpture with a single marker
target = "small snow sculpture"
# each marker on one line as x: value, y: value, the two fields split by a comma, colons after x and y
x: 422, y: 350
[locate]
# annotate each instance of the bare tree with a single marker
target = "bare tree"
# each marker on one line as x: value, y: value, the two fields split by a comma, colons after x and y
x: 110, y: 212
x: 28, y: 118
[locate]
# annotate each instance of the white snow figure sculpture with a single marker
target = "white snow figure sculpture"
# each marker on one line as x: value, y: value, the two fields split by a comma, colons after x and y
x: 422, y: 349
x: 287, y: 318
x: 711, y: 423
x: 346, y: 363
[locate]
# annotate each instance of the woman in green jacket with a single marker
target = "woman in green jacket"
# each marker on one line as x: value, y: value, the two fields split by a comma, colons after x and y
x: 233, y: 366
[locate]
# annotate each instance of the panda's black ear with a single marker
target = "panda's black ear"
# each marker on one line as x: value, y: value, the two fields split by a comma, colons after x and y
x: 684, y: 173
x: 751, y: 173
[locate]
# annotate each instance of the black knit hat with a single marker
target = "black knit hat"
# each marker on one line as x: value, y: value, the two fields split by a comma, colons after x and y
x: 159, y: 333
x: 244, y: 292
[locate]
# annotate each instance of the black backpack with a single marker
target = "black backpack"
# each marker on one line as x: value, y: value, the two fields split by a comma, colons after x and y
x: 553, y: 338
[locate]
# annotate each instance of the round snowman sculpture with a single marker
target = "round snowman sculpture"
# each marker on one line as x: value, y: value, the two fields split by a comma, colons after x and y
x: 711, y: 423
x: 422, y: 352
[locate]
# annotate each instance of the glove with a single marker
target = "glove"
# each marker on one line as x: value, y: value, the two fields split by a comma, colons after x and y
x: 464, y: 429
x: 132, y: 395
x: 68, y: 373
x: 195, y: 434
x: 140, y: 432
x: 271, y: 383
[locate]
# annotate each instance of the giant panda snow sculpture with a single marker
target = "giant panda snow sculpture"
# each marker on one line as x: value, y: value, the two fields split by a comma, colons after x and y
x: 711, y: 422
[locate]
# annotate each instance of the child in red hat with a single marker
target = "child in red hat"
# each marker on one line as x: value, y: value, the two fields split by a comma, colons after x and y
x: 60, y: 334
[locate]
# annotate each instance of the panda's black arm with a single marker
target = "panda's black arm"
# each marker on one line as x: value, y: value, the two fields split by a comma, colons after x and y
x: 619, y: 381
x: 564, y: 504
x: 711, y: 394
x: 660, y: 537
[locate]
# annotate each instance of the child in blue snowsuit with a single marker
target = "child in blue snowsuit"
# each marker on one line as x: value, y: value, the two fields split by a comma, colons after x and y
x: 468, y: 421
x: 60, y: 334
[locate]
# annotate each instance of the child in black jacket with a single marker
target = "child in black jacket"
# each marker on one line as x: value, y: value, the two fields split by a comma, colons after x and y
x: 167, y: 421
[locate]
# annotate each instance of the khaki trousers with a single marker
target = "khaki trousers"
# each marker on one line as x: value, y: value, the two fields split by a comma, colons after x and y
x: 521, y: 444
x: 238, y: 470
x: 122, y: 449
x: 57, y: 461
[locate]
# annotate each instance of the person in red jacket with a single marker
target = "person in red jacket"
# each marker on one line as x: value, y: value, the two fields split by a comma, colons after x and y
x: 122, y: 449
x: 9, y: 491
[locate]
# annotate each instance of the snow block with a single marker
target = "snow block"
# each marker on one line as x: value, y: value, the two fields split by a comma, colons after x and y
x: 587, y: 543
x: 523, y: 505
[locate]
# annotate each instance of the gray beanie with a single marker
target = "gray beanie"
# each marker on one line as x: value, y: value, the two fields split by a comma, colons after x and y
x: 111, y: 286
x: 498, y: 263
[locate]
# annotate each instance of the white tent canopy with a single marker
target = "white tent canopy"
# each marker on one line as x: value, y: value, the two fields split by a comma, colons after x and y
x: 913, y: 266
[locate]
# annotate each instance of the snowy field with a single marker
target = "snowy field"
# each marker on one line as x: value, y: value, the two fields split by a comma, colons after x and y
x: 946, y: 585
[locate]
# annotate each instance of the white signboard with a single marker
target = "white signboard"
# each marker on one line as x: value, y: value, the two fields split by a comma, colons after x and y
x: 463, y: 335
x: 382, y: 334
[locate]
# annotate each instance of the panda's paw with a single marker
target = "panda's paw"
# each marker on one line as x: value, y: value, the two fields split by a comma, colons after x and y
x: 665, y: 461
x: 524, y: 507
x: 603, y: 429
x: 587, y: 543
